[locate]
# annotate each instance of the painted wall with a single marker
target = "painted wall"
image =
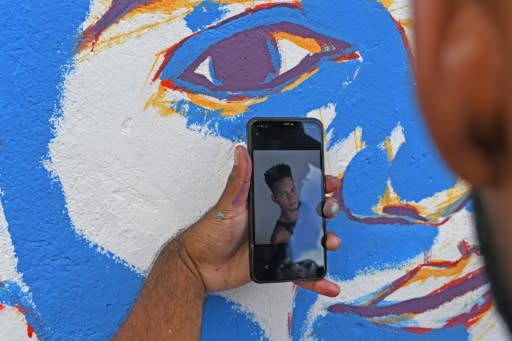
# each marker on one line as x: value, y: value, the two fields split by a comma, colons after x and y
x: 118, y: 123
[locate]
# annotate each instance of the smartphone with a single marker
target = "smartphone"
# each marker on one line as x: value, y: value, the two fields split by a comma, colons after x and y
x: 286, y: 223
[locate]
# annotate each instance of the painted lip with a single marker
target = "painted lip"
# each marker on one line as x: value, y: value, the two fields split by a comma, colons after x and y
x: 246, y: 64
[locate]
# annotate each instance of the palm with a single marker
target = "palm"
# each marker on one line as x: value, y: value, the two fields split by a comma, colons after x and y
x: 227, y: 234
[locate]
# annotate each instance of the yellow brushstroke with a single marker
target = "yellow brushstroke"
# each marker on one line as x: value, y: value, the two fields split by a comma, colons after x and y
x: 309, y: 44
x: 443, y: 209
x: 162, y: 6
x: 433, y: 272
x: 407, y: 23
x: 453, y: 195
x: 389, y: 149
x: 299, y: 80
x: 393, y: 319
x: 158, y: 101
x: 158, y: 57
x: 358, y: 139
x: 387, y: 3
x: 490, y: 327
x: 390, y: 198
x: 227, y: 108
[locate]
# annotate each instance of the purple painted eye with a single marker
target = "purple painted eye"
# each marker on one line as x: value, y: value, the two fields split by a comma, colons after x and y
x: 257, y: 62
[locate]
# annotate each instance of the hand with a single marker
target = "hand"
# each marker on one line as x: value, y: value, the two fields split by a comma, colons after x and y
x: 217, y: 245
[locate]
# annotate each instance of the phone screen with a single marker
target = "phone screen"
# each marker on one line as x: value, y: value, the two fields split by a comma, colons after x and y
x: 287, y: 194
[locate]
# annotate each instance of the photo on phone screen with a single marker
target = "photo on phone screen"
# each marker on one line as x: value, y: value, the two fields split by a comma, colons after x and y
x: 286, y: 200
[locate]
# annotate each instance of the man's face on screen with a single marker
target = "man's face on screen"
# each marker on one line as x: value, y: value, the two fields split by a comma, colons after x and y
x: 285, y: 195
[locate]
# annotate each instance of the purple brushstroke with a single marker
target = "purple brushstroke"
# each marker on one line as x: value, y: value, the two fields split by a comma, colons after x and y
x: 415, y: 305
x: 117, y: 10
x: 404, y: 211
x: 242, y: 62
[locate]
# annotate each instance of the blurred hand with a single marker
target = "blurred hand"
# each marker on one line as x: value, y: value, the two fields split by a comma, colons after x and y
x: 218, y: 243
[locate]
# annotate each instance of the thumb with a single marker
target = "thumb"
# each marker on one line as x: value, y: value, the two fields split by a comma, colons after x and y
x: 237, y: 188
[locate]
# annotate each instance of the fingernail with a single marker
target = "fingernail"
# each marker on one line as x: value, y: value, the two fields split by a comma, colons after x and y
x: 237, y: 155
x: 335, y: 207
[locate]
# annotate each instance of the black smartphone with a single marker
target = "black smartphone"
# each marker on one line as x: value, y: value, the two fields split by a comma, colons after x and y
x: 286, y: 223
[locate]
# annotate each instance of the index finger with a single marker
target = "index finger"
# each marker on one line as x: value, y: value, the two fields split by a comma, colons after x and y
x: 322, y: 287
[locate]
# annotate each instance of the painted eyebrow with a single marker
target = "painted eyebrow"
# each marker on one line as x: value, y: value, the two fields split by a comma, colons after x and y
x: 121, y: 9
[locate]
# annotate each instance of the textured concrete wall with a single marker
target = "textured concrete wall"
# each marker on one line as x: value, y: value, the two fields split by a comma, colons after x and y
x: 118, y: 123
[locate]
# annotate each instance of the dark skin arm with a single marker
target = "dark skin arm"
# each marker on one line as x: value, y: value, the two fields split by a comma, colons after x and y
x: 210, y: 256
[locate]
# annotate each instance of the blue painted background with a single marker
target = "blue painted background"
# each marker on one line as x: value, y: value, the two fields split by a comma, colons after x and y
x: 82, y: 294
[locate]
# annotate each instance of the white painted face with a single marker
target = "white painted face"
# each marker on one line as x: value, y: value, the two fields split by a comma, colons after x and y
x: 132, y: 178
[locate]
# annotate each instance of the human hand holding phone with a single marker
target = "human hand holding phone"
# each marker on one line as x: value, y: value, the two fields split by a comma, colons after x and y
x: 217, y: 245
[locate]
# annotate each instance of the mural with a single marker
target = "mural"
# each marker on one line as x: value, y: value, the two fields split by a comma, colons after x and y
x: 129, y: 115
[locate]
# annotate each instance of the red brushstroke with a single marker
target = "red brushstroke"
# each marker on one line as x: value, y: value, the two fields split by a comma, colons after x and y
x: 403, y: 34
x: 272, y: 5
x: 290, y: 323
x: 349, y: 57
x: 168, y: 84
x: 418, y: 330
x: 471, y: 317
x: 30, y: 330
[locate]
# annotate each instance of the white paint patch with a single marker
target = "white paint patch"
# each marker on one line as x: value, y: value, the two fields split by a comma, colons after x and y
x: 204, y: 69
x: 402, y: 12
x: 490, y: 328
x: 396, y: 140
x: 348, y: 80
x: 13, y: 326
x: 339, y: 156
x: 8, y: 260
x: 326, y: 115
x: 270, y: 304
x: 291, y: 54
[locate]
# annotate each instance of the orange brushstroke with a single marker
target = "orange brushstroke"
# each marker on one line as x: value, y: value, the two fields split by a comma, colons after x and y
x: 299, y: 80
x: 309, y: 44
x: 159, y: 102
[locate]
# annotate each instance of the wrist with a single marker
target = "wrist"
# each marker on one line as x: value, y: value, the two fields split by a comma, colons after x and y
x: 181, y: 265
